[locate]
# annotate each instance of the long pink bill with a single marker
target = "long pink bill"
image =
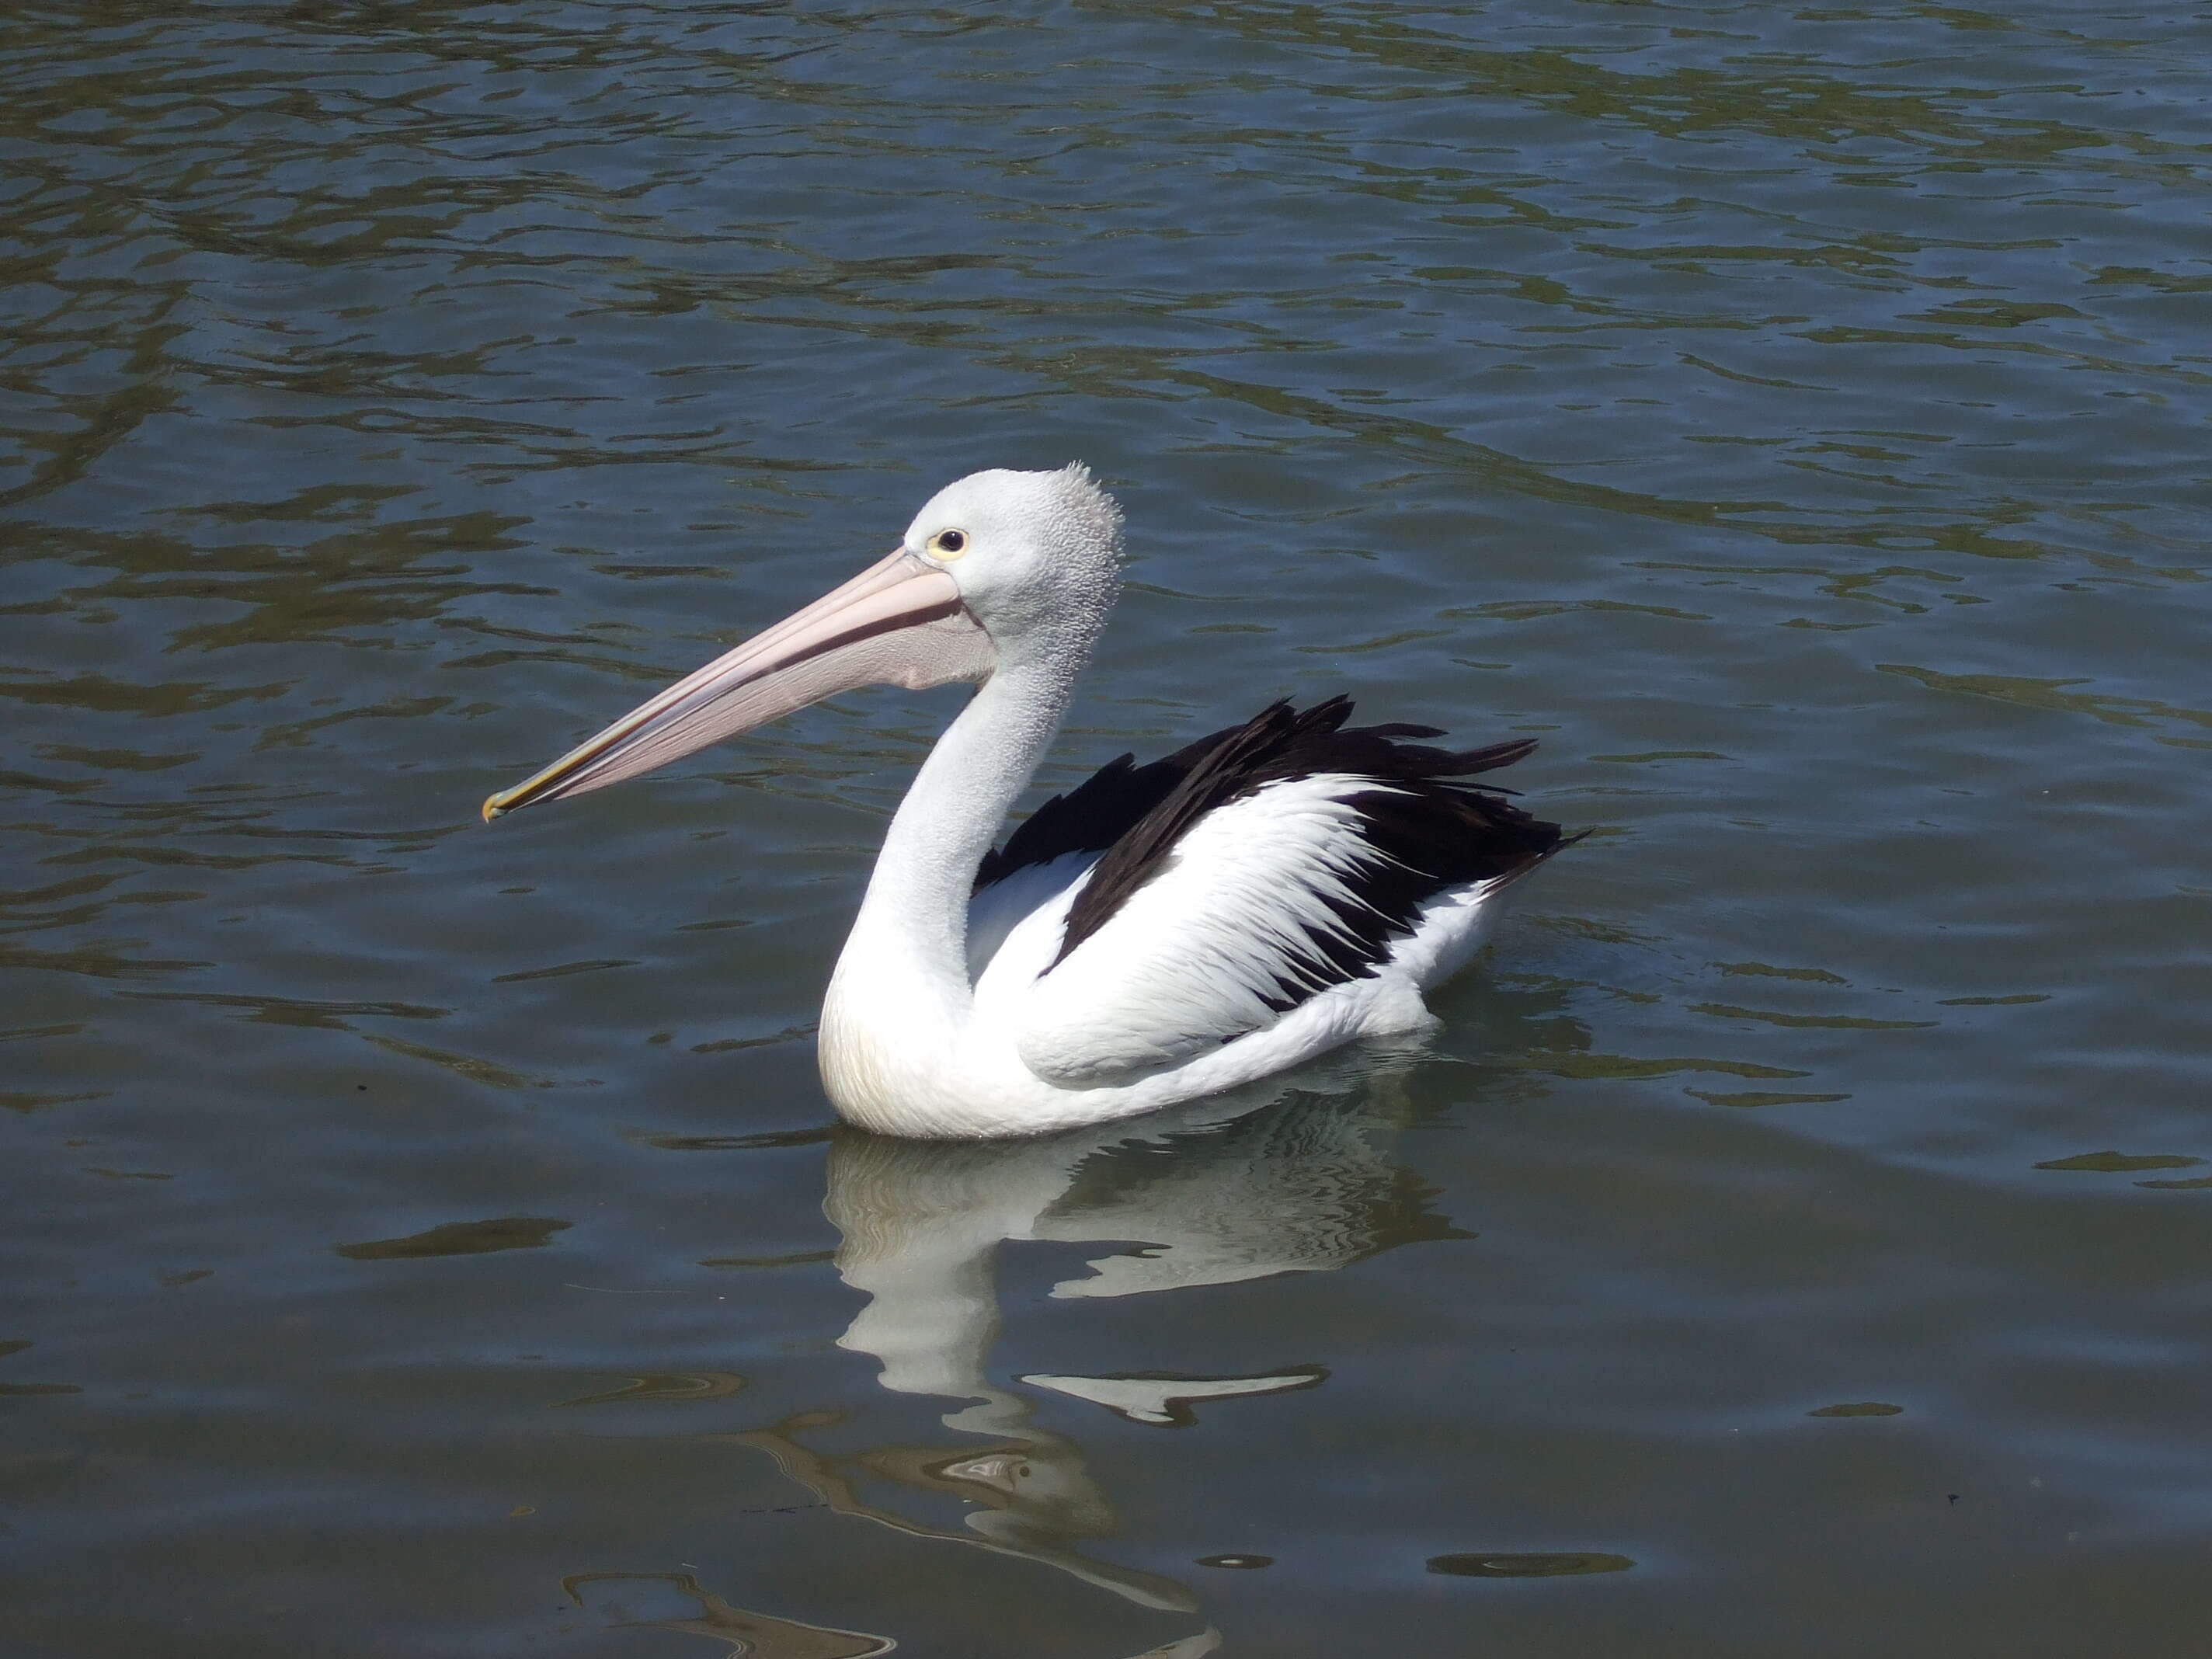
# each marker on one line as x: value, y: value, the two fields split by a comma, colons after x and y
x: 899, y: 622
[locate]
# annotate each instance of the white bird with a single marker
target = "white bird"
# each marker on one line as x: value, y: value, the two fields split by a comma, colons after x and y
x: 1160, y: 932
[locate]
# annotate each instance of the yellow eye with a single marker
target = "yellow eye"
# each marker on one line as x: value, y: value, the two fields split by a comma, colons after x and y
x: 949, y: 543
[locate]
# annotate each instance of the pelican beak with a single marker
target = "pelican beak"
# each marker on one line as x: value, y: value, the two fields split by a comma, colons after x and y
x: 900, y: 623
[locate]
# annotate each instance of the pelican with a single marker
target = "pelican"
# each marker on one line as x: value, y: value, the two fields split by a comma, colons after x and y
x: 1158, y: 933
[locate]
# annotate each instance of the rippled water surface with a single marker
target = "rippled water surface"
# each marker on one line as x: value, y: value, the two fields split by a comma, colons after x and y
x: 427, y: 1240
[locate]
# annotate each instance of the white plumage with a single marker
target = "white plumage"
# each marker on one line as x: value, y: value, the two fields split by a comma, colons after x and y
x: 1162, y: 932
x: 1181, y: 968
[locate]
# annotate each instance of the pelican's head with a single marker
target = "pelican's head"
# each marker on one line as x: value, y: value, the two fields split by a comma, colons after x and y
x: 1037, y: 555
x: 999, y: 568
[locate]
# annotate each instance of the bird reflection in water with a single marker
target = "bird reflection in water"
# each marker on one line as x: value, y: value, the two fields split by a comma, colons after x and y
x: 1275, y: 1180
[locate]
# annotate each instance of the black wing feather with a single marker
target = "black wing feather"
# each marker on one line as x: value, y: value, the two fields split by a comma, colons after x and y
x: 1095, y: 814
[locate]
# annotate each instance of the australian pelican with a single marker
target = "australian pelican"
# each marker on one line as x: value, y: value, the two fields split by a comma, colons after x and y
x: 1159, y: 932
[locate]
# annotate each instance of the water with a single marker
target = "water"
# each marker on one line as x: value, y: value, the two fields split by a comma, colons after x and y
x: 431, y: 1240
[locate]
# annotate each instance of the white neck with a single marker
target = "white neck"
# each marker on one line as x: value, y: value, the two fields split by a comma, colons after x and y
x: 906, y: 960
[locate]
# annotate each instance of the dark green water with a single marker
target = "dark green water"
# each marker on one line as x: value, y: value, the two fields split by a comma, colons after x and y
x: 426, y: 1240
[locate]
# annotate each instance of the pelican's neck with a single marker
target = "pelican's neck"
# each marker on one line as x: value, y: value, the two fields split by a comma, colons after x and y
x: 910, y: 940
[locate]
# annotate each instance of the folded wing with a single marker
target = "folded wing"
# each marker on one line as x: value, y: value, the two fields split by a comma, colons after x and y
x: 1272, y: 861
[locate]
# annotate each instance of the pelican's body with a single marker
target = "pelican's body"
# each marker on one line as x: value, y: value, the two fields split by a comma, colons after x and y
x: 1162, y: 932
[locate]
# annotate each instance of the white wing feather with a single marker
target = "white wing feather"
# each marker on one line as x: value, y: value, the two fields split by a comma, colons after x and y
x: 1189, y: 961
x: 996, y: 910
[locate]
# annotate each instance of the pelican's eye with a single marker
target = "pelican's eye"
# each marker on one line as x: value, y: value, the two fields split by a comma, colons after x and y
x: 949, y: 543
